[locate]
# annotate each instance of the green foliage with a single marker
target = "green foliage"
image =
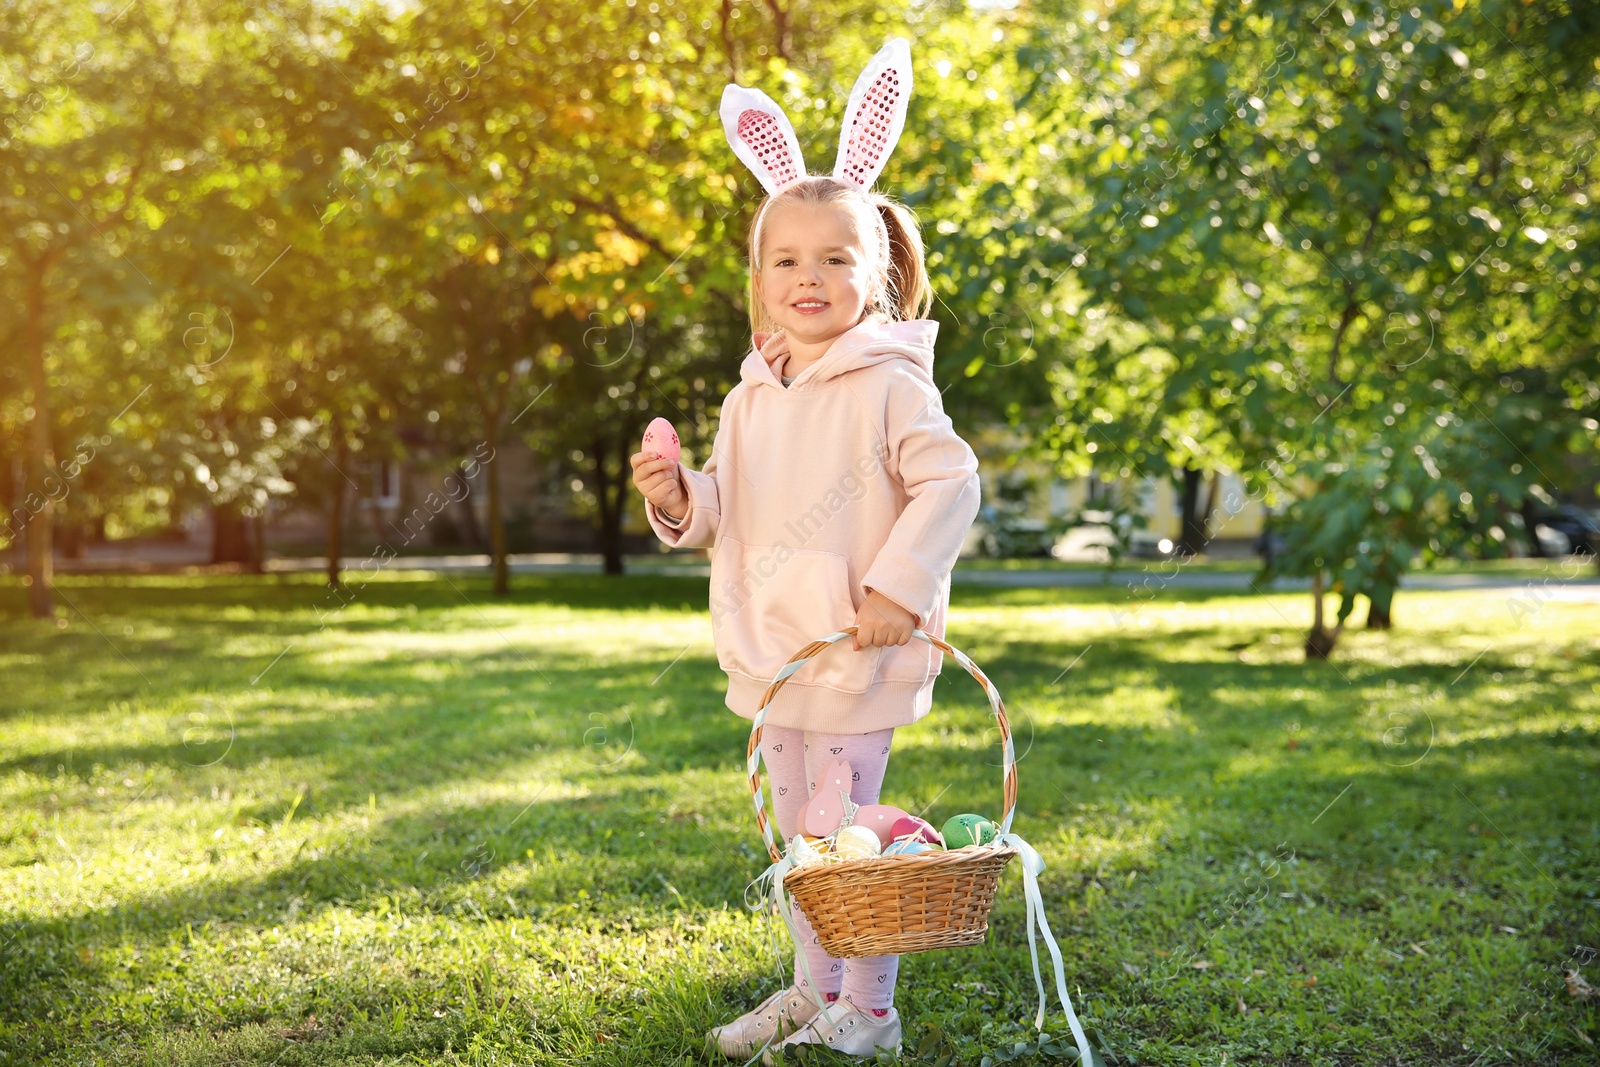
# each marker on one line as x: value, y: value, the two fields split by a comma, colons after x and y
x: 1421, y: 487
x: 1283, y: 231
x: 377, y: 230
x: 287, y: 243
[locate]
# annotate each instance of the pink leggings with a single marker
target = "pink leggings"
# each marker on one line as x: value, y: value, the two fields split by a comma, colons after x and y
x: 794, y: 759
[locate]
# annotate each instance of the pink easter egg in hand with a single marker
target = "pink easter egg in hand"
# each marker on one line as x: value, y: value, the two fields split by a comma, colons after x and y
x: 825, y: 810
x: 880, y: 819
x: 915, y: 829
x: 662, y: 439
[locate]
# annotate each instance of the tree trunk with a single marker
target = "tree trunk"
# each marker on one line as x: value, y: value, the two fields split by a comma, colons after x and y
x: 1192, y: 539
x: 41, y: 457
x: 780, y: 25
x: 610, y: 508
x: 1320, y: 641
x: 1209, y: 507
x: 497, y: 526
x: 336, y: 517
x: 470, y: 530
x: 1380, y: 605
x: 229, y: 541
x: 258, y: 544
x: 12, y: 514
x: 1531, y: 527
x: 70, y: 542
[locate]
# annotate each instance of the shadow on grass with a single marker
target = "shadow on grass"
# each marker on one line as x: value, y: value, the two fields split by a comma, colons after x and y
x: 1369, y: 812
x: 577, y: 864
x: 295, y: 593
x: 384, y: 725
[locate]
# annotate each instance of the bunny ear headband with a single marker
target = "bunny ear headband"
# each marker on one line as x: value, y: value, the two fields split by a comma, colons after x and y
x: 762, y: 137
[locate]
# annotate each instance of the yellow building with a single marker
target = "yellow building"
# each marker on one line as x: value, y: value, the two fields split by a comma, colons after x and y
x: 1235, y: 519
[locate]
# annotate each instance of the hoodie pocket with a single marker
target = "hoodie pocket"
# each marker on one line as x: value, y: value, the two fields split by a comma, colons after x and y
x: 769, y: 602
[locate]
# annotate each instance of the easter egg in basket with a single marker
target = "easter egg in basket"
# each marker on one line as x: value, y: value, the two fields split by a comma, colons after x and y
x: 909, y: 847
x: 918, y: 829
x: 856, y: 843
x: 962, y: 831
x: 804, y: 851
x: 881, y: 819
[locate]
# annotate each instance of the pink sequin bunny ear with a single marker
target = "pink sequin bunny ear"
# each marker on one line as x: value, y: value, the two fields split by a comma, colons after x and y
x: 762, y: 137
x: 875, y: 115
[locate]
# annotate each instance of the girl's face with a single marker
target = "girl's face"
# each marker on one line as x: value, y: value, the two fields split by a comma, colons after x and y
x: 815, y: 280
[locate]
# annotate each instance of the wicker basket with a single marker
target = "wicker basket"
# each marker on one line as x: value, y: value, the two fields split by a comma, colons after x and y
x: 894, y: 905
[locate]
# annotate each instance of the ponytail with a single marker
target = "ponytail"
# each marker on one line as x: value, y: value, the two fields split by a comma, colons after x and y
x: 909, y: 295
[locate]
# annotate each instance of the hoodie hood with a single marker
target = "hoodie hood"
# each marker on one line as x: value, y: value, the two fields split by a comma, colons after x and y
x: 867, y: 343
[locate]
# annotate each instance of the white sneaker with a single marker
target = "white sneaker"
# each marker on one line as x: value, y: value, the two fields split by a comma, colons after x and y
x: 776, y: 1017
x: 846, y: 1028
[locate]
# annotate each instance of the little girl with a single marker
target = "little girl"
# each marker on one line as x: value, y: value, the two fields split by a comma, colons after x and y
x: 837, y: 494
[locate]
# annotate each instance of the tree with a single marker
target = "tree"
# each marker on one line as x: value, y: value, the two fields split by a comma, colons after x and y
x: 584, y: 250
x: 131, y: 169
x: 1300, y: 223
x: 77, y: 166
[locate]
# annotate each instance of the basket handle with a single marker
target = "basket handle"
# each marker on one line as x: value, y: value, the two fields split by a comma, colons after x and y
x: 753, y: 753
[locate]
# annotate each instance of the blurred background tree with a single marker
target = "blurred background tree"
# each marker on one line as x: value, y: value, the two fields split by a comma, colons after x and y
x: 1351, y: 255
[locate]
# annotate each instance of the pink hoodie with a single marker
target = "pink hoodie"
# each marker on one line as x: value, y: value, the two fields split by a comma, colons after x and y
x: 849, y: 480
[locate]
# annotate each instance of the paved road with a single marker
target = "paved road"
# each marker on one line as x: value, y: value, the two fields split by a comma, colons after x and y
x: 1164, y: 577
x: 1169, y: 575
x: 1553, y: 581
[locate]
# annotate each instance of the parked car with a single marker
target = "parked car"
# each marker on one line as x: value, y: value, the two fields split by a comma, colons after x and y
x: 998, y: 534
x: 1581, y: 530
x: 1095, y: 531
x: 1270, y: 544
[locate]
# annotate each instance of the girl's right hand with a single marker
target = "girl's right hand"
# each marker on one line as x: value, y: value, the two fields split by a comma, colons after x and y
x: 660, y: 483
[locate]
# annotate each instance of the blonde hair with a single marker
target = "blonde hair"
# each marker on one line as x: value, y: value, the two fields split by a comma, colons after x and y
x: 895, y: 246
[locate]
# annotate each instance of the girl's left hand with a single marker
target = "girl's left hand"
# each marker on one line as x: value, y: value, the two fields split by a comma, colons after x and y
x: 882, y: 622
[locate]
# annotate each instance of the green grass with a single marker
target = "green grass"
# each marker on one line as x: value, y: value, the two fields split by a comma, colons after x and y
x: 442, y: 828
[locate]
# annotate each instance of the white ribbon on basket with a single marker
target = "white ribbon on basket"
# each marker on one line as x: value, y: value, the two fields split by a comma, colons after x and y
x: 779, y: 899
x: 1032, y: 866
